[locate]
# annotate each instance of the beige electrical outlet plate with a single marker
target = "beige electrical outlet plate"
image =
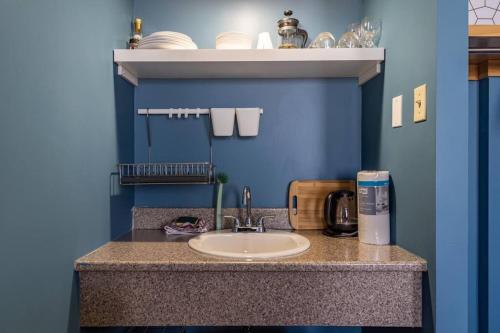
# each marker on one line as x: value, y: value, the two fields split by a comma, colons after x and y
x: 420, y: 104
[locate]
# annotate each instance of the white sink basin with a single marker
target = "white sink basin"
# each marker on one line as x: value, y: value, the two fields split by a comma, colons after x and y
x: 270, y: 244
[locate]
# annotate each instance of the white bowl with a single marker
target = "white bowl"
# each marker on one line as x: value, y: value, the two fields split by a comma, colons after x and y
x: 233, y: 46
x: 170, y: 34
x: 183, y: 44
x: 232, y: 33
x: 166, y: 46
x: 172, y: 41
x: 233, y: 40
x: 166, y: 40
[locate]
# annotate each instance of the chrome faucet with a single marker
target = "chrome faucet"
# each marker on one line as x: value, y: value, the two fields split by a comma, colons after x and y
x: 247, y: 201
x: 248, y: 224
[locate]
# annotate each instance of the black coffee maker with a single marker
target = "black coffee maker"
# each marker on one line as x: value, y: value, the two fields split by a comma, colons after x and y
x: 340, y: 216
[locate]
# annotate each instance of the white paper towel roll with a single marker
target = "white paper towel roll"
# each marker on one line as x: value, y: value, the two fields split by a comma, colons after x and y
x: 373, y: 207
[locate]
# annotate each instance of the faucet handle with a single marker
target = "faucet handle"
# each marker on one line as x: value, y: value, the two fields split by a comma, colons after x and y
x: 236, y: 221
x: 260, y: 221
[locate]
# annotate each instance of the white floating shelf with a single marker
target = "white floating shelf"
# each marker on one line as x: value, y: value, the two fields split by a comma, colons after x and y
x: 363, y: 64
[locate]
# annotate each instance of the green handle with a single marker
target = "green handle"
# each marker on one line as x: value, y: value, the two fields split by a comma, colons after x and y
x: 218, y: 211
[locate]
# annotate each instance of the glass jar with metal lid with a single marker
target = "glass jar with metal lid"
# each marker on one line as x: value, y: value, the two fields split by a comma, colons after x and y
x: 291, y: 36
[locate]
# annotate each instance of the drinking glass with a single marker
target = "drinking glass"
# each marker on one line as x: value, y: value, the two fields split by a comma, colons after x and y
x: 370, y: 32
x: 324, y: 40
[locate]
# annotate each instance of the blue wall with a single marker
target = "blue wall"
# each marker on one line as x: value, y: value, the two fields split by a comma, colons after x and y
x: 204, y: 22
x: 454, y: 304
x: 493, y: 207
x: 407, y: 152
x: 310, y: 128
x: 475, y: 231
x: 64, y: 122
x: 487, y: 93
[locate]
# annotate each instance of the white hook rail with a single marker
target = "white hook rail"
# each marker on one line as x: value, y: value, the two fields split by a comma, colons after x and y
x: 171, y: 112
x: 179, y: 112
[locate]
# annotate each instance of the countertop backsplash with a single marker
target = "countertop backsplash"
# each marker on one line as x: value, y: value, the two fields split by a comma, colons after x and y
x: 156, y: 218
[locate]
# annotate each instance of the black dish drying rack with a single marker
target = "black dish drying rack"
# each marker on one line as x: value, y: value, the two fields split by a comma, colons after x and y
x: 164, y: 173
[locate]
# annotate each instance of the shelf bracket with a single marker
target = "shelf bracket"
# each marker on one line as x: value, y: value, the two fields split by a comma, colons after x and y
x: 369, y: 74
x: 127, y: 75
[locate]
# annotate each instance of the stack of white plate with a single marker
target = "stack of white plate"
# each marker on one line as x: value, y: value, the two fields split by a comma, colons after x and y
x: 167, y: 40
x: 233, y: 40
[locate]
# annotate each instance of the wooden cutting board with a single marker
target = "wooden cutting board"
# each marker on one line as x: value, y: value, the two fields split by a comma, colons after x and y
x: 306, y: 201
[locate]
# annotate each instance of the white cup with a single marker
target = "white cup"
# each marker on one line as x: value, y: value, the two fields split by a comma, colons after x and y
x: 264, y: 41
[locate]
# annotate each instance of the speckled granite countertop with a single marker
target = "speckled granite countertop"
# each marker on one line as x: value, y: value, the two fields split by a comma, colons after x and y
x: 151, y: 250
